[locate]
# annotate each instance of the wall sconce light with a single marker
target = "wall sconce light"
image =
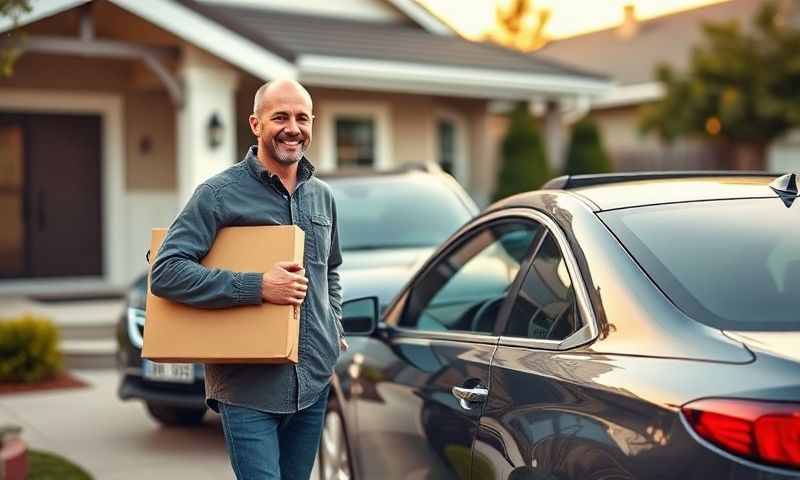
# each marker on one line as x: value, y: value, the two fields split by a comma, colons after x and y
x: 215, y: 131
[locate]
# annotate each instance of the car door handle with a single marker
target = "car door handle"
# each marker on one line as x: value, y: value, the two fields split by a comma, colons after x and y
x: 466, y: 396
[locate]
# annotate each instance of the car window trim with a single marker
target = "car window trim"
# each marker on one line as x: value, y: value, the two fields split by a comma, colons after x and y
x: 589, y: 330
x: 468, y: 231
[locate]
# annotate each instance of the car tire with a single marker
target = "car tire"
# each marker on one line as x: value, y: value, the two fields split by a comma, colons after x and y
x: 176, y: 416
x: 334, y: 454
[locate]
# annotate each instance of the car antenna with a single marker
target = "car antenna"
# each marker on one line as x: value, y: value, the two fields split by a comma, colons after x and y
x: 786, y: 188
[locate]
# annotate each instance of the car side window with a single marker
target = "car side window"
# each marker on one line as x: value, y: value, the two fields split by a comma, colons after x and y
x: 545, y: 307
x: 463, y: 290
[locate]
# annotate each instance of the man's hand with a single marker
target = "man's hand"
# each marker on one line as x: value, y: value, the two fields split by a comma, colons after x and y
x: 343, y: 345
x: 285, y: 284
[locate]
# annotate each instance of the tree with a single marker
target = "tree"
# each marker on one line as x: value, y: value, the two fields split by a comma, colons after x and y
x: 9, y: 49
x: 586, y: 153
x: 740, y: 87
x: 519, y: 25
x: 524, y: 162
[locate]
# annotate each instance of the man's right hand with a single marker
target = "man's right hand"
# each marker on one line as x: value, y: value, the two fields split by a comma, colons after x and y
x: 285, y: 284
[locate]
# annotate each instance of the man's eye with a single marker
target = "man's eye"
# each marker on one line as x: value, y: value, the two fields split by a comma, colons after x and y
x: 280, y: 118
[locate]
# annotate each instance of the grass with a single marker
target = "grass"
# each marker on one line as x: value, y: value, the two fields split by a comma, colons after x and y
x: 48, y: 466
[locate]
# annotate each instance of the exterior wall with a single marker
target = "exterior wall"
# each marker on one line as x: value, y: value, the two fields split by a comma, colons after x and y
x: 374, y: 10
x: 630, y: 151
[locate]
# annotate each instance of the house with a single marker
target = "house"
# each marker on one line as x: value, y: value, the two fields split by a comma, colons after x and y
x: 118, y: 108
x: 629, y: 53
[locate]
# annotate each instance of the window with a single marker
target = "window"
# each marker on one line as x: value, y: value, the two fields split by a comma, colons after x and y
x: 545, y: 308
x: 464, y: 290
x: 355, y: 142
x: 447, y: 145
x: 740, y: 271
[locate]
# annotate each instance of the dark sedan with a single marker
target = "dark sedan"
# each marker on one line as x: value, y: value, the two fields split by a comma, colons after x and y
x: 607, y: 327
x: 383, y: 236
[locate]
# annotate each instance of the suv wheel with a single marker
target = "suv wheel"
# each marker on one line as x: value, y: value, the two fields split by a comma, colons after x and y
x: 334, y: 459
x: 176, y: 416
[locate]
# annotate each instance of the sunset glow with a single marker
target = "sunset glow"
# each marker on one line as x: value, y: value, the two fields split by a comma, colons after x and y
x: 569, y: 17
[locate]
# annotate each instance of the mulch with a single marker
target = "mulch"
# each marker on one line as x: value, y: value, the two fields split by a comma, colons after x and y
x: 62, y: 381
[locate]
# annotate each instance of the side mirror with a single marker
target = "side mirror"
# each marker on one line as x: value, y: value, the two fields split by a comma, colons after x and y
x: 360, y: 316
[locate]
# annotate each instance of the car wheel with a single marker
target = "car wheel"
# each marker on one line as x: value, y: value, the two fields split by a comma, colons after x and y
x: 334, y: 459
x: 176, y: 416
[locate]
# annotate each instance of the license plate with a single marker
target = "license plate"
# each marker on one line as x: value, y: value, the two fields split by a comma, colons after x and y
x: 169, y: 372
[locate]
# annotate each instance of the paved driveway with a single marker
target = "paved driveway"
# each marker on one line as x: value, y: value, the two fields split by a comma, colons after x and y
x: 116, y: 440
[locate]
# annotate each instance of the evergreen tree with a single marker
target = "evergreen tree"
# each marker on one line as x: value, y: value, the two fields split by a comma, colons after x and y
x: 586, y: 153
x: 740, y: 87
x: 524, y: 162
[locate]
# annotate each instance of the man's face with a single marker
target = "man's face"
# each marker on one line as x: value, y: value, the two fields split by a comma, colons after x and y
x: 283, y: 124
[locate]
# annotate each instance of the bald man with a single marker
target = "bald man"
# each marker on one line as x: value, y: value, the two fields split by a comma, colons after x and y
x: 271, y: 413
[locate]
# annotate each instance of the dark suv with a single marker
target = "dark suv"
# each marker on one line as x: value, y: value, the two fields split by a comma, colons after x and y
x: 389, y: 222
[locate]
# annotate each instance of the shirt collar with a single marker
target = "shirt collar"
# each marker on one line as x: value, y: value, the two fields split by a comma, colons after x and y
x: 305, y: 169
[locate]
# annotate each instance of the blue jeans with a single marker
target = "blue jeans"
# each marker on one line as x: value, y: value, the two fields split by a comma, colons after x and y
x: 271, y: 446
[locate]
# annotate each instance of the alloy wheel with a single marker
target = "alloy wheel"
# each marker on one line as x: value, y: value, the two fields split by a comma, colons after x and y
x: 335, y: 462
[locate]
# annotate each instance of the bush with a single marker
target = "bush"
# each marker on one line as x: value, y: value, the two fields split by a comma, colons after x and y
x: 28, y: 350
x: 48, y: 466
x: 586, y: 153
x: 524, y: 159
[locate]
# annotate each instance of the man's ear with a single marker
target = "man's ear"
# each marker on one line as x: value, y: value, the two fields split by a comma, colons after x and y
x: 255, y: 125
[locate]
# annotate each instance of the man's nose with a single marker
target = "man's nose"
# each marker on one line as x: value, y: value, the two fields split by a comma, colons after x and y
x: 292, y: 128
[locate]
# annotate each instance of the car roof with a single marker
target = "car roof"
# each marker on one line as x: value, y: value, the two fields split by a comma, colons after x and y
x: 652, y: 191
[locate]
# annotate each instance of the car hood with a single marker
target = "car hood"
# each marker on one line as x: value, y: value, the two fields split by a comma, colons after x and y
x: 782, y: 344
x: 380, y: 273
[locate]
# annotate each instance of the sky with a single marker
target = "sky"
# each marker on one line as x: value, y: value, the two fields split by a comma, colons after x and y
x: 569, y: 17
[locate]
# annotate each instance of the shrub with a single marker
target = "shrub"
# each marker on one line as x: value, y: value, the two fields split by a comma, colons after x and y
x: 586, y: 153
x: 524, y: 159
x: 28, y: 350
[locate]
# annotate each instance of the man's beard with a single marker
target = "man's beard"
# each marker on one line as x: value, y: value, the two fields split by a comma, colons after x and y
x: 285, y: 158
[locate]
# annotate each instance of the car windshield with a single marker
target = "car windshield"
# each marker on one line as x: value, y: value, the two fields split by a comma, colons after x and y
x: 733, y: 264
x: 404, y: 211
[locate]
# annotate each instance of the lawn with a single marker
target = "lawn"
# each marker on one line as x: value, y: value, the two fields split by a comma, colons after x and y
x: 48, y: 466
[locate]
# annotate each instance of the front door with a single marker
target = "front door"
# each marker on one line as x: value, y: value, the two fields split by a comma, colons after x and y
x: 412, y: 423
x: 50, y: 195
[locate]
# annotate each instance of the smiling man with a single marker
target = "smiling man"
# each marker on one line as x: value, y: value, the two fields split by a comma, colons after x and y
x: 271, y: 414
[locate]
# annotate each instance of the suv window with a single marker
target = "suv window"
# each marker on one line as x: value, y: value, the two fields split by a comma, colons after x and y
x: 463, y: 290
x: 545, y: 307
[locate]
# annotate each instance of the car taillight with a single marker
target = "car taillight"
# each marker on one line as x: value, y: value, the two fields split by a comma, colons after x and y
x: 766, y: 432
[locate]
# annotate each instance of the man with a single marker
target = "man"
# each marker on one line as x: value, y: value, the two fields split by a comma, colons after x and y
x: 271, y: 414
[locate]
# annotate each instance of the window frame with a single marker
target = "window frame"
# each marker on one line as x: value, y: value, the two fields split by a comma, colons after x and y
x: 589, y: 331
x: 378, y: 112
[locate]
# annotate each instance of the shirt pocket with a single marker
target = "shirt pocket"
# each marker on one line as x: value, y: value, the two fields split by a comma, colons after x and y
x: 321, y: 230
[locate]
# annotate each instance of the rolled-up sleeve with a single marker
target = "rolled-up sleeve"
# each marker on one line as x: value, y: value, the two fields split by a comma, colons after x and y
x: 177, y: 273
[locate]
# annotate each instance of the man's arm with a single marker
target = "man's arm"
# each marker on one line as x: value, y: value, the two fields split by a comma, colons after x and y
x: 177, y: 274
x: 334, y: 261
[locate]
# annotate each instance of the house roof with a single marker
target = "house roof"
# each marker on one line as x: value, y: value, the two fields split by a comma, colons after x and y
x: 667, y: 39
x: 292, y: 35
x: 352, y: 54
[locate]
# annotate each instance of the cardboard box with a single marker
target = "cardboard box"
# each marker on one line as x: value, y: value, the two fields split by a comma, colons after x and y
x: 265, y: 333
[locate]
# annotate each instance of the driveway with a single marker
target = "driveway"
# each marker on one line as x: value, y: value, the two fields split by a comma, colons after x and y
x: 115, y: 440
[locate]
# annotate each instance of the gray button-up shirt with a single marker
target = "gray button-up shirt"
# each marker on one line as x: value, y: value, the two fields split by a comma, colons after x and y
x: 246, y: 194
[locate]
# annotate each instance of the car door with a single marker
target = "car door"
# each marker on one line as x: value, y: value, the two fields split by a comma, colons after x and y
x: 539, y: 421
x: 438, y: 335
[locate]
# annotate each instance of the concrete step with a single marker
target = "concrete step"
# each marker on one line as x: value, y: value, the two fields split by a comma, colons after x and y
x: 89, y: 354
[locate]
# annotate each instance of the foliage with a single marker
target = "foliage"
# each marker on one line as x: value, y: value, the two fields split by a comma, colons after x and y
x: 524, y: 159
x: 48, y: 466
x: 9, y: 52
x: 520, y: 25
x: 586, y: 153
x: 740, y: 87
x: 28, y: 350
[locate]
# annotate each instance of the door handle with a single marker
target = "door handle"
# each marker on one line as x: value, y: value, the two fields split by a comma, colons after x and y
x: 466, y: 396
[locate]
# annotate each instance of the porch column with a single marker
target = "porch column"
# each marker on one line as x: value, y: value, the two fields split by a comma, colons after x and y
x: 206, y: 142
x: 554, y: 136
